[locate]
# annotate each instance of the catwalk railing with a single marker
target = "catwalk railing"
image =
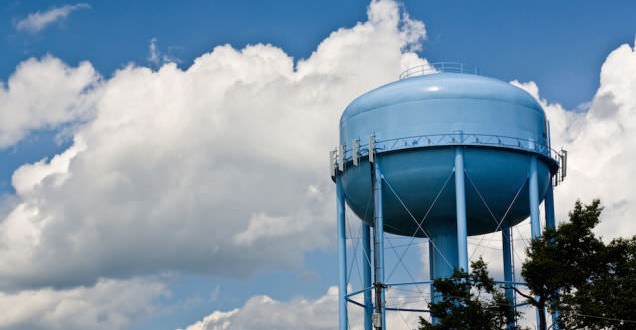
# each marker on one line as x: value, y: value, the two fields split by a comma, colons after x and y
x: 348, y: 155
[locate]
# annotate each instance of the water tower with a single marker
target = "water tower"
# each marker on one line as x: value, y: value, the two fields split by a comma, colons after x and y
x: 442, y: 154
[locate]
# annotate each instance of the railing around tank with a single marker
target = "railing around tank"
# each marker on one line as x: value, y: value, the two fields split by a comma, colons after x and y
x: 353, y: 153
x: 437, y: 67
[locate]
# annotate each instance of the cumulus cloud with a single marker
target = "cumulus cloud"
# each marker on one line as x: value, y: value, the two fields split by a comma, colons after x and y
x: 44, y: 94
x: 217, y: 169
x: 601, y: 144
x: 108, y: 305
x: 263, y: 312
x: 38, y: 21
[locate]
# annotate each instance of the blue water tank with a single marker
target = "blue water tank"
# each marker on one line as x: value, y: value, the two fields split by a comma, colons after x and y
x: 416, y: 124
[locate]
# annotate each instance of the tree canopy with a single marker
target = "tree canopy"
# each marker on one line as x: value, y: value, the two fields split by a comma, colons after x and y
x: 469, y: 301
x: 569, y: 268
x: 592, y: 284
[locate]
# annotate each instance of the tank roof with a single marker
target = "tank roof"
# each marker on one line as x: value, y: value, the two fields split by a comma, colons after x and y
x: 441, y: 86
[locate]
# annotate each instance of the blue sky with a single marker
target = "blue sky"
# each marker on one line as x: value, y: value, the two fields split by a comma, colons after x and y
x: 554, y: 49
x: 559, y: 45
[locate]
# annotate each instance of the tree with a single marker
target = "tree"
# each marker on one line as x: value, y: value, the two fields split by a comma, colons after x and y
x: 568, y: 268
x: 562, y: 259
x: 608, y: 298
x: 469, y: 301
x: 592, y: 284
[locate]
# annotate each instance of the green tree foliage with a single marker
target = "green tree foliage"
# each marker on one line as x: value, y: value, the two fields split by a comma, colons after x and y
x: 607, y: 300
x: 469, y: 301
x: 562, y: 259
x: 592, y: 284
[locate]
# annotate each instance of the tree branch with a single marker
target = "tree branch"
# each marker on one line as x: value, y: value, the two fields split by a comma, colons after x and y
x: 530, y: 298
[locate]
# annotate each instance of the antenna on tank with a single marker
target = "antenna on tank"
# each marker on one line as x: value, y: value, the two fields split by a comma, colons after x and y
x: 564, y: 164
x: 332, y: 163
x: 371, y: 148
x: 355, y: 146
x: 341, y: 151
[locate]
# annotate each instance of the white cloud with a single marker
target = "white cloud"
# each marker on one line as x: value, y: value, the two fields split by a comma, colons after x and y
x: 38, y: 21
x: 108, y: 305
x: 44, y: 94
x: 153, y: 52
x: 263, y: 312
x: 218, y: 169
x: 156, y: 57
x: 601, y: 144
x: 221, y: 169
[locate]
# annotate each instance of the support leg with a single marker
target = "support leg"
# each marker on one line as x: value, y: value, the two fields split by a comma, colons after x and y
x: 378, y: 250
x: 443, y: 254
x: 342, y: 258
x: 550, y: 222
x: 431, y: 271
x: 366, y: 276
x: 549, y: 207
x: 506, y: 233
x: 535, y: 224
x: 460, y: 208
